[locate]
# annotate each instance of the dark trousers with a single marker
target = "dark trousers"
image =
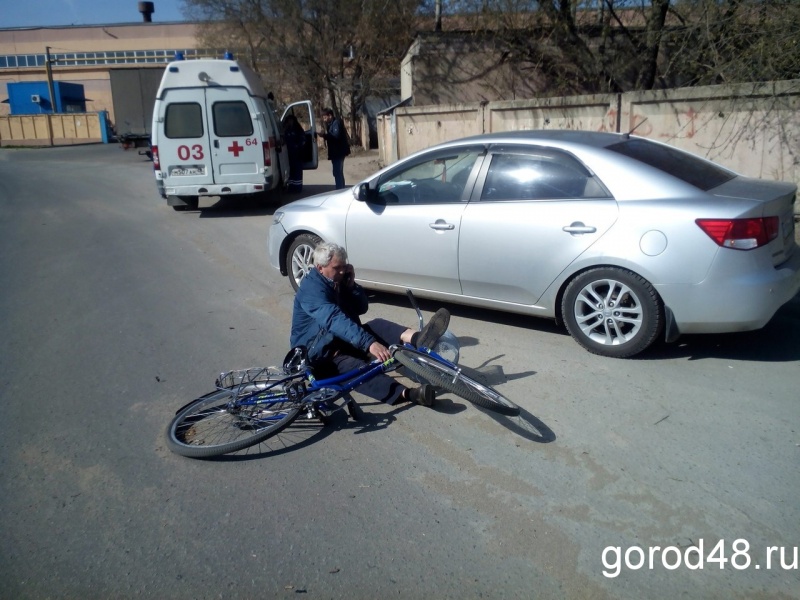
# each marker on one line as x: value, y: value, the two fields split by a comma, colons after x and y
x: 295, y: 183
x: 382, y: 388
x: 338, y: 172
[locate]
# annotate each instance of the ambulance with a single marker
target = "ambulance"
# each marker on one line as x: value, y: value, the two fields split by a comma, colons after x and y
x: 216, y: 133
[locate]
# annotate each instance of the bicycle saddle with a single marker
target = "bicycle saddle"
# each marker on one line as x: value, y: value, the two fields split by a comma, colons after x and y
x: 295, y: 360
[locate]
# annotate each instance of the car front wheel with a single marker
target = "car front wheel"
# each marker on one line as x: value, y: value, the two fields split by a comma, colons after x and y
x: 299, y: 258
x: 612, y: 312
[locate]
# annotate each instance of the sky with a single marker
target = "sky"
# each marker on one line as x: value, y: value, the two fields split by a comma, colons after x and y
x: 33, y: 13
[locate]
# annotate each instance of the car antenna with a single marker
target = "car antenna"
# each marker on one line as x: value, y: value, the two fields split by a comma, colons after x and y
x: 642, y: 122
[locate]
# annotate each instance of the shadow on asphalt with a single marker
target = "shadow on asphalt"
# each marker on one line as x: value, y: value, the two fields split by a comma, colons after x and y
x: 305, y: 432
x: 779, y: 341
x: 524, y: 425
x: 215, y: 207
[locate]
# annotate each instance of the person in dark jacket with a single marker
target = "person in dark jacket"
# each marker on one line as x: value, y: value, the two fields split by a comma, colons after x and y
x: 338, y: 143
x: 326, y: 320
x: 295, y: 139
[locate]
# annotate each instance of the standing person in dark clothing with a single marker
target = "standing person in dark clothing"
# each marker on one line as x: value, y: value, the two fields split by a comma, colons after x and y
x: 338, y: 144
x: 295, y: 139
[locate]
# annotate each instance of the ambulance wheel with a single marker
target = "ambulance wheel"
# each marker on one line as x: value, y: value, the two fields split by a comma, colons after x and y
x: 191, y: 203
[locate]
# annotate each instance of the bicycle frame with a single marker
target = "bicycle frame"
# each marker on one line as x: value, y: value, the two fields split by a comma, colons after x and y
x: 300, y: 385
x: 252, y: 405
x: 341, y: 384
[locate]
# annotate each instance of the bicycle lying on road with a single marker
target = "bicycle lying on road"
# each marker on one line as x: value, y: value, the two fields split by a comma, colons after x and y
x: 251, y: 405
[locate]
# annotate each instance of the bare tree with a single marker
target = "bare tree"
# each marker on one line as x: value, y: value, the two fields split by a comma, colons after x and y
x: 333, y: 51
x: 339, y: 52
x: 733, y: 41
x: 595, y: 46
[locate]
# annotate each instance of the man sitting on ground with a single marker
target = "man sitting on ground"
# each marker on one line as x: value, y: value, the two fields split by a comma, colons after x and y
x: 326, y: 320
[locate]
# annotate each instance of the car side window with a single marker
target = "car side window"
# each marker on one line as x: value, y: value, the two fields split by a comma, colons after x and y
x: 539, y: 175
x: 433, y: 179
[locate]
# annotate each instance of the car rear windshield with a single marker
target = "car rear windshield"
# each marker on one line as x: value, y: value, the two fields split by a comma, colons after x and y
x: 183, y: 120
x: 687, y: 167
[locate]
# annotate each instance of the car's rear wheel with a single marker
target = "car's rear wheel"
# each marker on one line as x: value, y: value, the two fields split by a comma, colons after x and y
x: 299, y: 257
x: 612, y: 312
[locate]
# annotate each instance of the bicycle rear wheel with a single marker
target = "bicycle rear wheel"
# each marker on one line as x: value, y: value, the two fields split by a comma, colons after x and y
x: 447, y: 376
x: 219, y: 423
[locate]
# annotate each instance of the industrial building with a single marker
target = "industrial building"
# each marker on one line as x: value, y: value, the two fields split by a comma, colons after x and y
x: 82, y: 58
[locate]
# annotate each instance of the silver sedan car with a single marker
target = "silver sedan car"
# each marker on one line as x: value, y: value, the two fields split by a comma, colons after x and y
x: 621, y: 239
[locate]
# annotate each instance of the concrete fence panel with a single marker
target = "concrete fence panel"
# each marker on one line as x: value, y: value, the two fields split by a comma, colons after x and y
x: 387, y: 150
x: 753, y: 129
x: 590, y: 113
x: 419, y: 127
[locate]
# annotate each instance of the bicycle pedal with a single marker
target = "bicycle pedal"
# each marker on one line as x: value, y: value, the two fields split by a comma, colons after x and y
x: 325, y: 410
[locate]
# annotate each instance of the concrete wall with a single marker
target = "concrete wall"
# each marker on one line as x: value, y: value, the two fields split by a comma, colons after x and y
x: 448, y: 67
x: 753, y: 129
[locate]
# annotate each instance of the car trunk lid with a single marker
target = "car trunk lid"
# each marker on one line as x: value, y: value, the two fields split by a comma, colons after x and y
x: 772, y: 199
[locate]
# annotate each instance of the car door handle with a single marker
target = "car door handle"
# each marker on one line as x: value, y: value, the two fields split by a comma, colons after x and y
x: 578, y: 227
x: 216, y: 143
x: 441, y: 225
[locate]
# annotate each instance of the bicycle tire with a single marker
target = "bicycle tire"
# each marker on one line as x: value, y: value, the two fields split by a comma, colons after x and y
x: 213, y: 425
x: 448, y: 377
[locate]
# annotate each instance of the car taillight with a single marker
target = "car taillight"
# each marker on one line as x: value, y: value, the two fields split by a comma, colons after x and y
x: 741, y: 234
x: 268, y: 151
x: 156, y: 160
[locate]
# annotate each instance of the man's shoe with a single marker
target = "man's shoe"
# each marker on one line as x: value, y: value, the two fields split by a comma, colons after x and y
x: 423, y: 395
x: 435, y: 328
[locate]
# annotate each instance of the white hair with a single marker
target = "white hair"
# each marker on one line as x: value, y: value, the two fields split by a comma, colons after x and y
x: 324, y: 253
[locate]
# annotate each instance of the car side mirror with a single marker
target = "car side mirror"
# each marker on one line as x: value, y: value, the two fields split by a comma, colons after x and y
x: 363, y: 193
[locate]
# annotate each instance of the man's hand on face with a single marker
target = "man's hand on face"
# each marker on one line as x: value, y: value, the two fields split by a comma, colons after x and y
x: 349, y: 277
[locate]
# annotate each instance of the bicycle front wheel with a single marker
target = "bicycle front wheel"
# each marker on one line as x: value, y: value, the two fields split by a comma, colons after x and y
x: 447, y: 376
x: 219, y: 423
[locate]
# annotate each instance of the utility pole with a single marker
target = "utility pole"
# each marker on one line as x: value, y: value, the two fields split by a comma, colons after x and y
x: 51, y: 91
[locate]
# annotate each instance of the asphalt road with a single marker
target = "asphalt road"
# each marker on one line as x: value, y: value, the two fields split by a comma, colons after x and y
x: 117, y: 310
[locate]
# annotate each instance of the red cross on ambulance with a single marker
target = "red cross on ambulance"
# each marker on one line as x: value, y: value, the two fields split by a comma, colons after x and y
x: 235, y: 148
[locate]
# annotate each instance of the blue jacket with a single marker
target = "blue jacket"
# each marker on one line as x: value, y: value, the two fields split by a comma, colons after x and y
x: 321, y: 315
